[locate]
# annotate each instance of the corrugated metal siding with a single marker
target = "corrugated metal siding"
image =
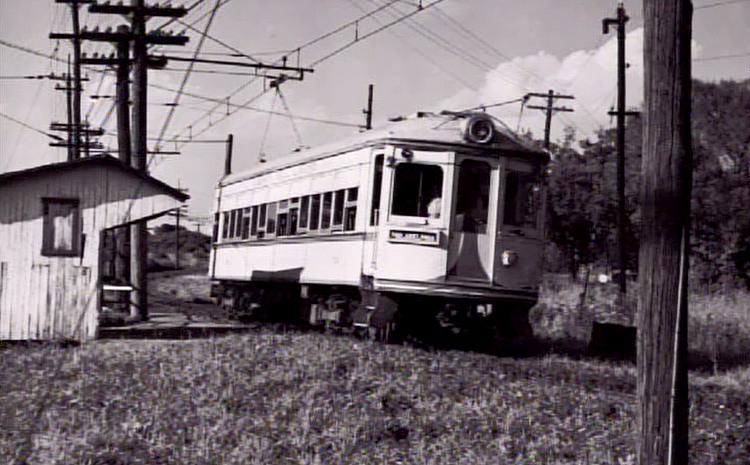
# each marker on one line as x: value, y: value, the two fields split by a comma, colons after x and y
x: 56, y: 297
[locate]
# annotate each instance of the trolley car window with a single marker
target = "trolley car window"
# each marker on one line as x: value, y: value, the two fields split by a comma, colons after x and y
x: 232, y: 221
x: 350, y: 209
x: 293, y: 213
x: 415, y: 186
x: 325, y: 222
x: 522, y: 200
x: 473, y: 196
x: 225, y: 226
x: 338, y: 207
x: 215, y: 235
x: 283, y: 224
x: 377, y: 184
x: 245, y: 233
x: 315, y: 212
x: 271, y: 213
x: 254, y: 222
x: 304, y: 211
x: 238, y: 225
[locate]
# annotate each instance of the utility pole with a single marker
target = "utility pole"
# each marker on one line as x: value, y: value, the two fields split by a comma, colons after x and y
x: 368, y: 111
x: 666, y: 174
x: 76, y: 140
x: 139, y: 13
x: 619, y: 23
x: 228, y: 157
x: 549, y: 109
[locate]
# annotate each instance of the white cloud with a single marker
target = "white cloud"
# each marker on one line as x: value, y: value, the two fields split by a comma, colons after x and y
x: 589, y: 75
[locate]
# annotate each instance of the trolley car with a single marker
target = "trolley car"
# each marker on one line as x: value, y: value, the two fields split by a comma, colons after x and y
x: 437, y: 214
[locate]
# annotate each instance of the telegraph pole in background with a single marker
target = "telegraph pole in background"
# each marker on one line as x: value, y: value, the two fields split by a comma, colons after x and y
x: 139, y: 13
x: 76, y: 140
x: 228, y: 156
x: 666, y: 173
x: 619, y: 23
x: 368, y: 111
x: 549, y: 109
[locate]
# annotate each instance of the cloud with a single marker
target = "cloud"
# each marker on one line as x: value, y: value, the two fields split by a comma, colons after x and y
x: 589, y: 75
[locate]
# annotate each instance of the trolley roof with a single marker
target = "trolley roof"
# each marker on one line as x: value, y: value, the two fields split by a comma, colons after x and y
x: 427, y: 131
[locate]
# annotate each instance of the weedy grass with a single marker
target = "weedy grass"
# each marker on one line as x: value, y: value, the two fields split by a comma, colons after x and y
x: 308, y: 398
x: 718, y: 324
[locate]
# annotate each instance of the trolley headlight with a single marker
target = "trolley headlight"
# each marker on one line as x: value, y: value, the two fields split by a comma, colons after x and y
x: 479, y: 129
x: 509, y: 258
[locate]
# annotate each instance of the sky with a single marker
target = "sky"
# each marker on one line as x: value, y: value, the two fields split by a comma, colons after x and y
x: 451, y: 55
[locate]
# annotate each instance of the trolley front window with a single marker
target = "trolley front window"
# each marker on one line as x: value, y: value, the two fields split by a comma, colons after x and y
x: 473, y: 197
x: 415, y: 187
x: 522, y: 200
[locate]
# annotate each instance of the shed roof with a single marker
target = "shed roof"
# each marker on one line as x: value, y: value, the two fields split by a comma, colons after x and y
x: 99, y: 160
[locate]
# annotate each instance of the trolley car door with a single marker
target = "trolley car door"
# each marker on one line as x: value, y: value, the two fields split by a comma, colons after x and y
x: 470, y: 250
x: 519, y: 239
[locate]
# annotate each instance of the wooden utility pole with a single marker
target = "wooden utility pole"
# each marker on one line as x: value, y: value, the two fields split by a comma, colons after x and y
x: 549, y: 109
x: 368, y: 111
x: 228, y: 157
x: 663, y: 262
x: 619, y: 23
x: 77, y: 140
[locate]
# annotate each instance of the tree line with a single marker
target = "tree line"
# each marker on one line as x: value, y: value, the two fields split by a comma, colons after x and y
x: 582, y: 208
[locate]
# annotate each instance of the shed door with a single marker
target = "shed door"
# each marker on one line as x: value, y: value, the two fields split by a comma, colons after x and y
x: 470, y: 249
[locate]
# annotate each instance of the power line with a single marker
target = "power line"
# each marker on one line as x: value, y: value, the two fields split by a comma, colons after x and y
x: 712, y: 5
x: 721, y: 57
x: 28, y: 126
x: 371, y: 33
x: 186, y: 76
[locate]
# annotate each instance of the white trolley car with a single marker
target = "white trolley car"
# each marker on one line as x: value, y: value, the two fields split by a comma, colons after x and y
x: 439, y: 214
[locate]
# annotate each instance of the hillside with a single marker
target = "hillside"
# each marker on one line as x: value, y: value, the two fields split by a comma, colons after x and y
x: 194, y: 248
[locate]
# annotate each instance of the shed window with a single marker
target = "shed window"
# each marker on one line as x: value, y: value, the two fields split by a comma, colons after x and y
x: 415, y: 187
x: 62, y: 227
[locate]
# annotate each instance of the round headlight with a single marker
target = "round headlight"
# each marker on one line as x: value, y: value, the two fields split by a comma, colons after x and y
x: 480, y: 130
x: 509, y: 258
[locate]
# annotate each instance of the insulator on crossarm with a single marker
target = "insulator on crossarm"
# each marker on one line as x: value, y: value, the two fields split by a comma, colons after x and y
x: 109, y: 30
x: 96, y: 29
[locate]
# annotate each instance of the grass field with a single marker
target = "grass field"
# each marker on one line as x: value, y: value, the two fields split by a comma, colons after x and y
x: 294, y: 397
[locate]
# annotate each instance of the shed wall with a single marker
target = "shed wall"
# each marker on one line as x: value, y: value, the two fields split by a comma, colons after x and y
x: 56, y: 297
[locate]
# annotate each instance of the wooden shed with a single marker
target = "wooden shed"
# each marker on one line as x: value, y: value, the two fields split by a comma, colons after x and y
x: 52, y: 220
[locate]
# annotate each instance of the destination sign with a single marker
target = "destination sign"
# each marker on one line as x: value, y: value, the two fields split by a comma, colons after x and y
x: 414, y: 237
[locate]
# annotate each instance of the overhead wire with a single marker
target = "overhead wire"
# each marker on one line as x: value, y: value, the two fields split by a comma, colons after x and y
x: 371, y: 33
x: 713, y: 5
x: 247, y: 84
x: 186, y: 76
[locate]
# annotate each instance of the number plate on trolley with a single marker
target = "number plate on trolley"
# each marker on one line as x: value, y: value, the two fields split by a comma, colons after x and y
x: 414, y: 237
